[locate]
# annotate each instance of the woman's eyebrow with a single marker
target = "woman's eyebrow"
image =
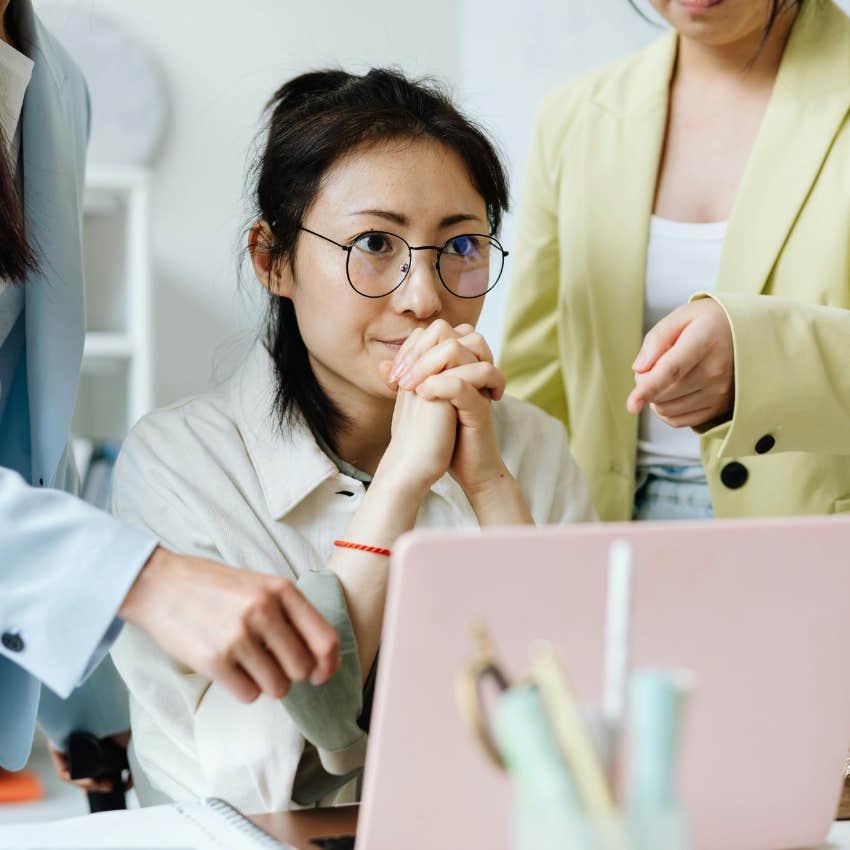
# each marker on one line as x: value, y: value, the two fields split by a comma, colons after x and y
x: 403, y: 220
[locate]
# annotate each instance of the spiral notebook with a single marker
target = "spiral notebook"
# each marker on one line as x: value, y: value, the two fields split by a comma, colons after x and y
x: 210, y: 824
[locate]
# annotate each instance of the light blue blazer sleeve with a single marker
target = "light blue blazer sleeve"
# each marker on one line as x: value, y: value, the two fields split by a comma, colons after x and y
x: 65, y: 569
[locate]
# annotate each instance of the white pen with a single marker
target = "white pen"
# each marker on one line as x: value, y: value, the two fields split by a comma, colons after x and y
x: 618, y: 617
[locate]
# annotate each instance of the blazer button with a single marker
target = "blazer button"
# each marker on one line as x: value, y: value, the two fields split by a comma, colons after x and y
x: 12, y: 641
x: 765, y: 444
x: 734, y: 475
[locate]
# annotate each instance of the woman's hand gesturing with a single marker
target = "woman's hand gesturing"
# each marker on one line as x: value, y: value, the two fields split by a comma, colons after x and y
x: 686, y: 367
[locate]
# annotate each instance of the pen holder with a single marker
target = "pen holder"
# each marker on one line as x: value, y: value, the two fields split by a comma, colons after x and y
x: 561, y: 756
x: 556, y: 828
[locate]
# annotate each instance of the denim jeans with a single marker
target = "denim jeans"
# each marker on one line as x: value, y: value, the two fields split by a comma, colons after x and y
x: 672, y: 492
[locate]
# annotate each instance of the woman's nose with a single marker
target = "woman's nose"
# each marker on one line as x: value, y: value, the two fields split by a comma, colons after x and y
x: 422, y: 290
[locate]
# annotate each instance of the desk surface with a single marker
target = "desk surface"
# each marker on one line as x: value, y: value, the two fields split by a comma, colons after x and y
x: 297, y: 828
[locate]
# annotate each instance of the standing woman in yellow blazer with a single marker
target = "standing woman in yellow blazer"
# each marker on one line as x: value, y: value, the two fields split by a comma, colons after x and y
x: 681, y: 288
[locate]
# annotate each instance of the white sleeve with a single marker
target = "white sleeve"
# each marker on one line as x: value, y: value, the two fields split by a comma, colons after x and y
x: 192, y: 737
x: 65, y: 569
x: 535, y: 449
x: 566, y: 489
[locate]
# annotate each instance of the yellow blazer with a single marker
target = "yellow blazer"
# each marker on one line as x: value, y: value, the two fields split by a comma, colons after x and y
x: 575, y: 310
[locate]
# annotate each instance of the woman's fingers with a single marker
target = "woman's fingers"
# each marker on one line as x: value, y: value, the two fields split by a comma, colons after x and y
x: 691, y: 419
x: 480, y: 377
x: 667, y: 373
x: 63, y: 771
x: 418, y: 343
x: 444, y: 354
x: 233, y: 678
x: 401, y: 355
x: 439, y: 331
x: 662, y: 337
x: 267, y: 648
x: 93, y: 786
x: 472, y: 405
x: 60, y: 763
x: 680, y: 406
x: 683, y: 399
x: 447, y: 355
x: 690, y: 349
x: 477, y: 345
x: 320, y: 638
x: 265, y: 668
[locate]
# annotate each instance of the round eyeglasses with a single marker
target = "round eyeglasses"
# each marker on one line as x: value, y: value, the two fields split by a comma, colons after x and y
x: 378, y: 263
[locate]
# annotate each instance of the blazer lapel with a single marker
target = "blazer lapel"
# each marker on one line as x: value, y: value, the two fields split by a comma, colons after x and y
x: 53, y: 163
x: 809, y: 104
x: 621, y: 160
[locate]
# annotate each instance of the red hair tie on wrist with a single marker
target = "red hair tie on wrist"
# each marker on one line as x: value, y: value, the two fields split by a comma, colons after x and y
x: 375, y: 550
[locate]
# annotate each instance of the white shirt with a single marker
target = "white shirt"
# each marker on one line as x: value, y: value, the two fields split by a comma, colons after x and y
x: 681, y: 259
x: 214, y: 476
x: 15, y: 73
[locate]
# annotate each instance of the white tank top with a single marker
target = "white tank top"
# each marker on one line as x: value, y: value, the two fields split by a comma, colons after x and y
x: 682, y: 258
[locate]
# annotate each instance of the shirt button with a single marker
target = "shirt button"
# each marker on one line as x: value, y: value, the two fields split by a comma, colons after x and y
x: 765, y: 444
x: 12, y: 641
x: 734, y: 475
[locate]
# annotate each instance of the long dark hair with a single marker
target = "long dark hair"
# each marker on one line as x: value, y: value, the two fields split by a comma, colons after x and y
x: 315, y: 119
x: 17, y: 258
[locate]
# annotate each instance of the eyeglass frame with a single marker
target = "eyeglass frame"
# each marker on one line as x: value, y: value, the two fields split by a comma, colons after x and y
x: 410, y: 249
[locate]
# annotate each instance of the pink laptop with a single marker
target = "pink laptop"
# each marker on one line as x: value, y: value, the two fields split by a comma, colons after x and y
x: 759, y: 610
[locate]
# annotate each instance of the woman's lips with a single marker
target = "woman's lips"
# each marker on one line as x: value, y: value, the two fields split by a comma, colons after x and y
x: 394, y: 344
x: 699, y: 5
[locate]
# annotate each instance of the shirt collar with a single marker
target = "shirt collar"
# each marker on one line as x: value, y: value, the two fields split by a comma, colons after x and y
x: 17, y: 70
x: 288, y: 461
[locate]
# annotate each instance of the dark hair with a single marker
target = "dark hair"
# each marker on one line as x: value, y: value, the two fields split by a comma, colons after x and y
x: 17, y: 257
x: 316, y: 119
x: 776, y: 9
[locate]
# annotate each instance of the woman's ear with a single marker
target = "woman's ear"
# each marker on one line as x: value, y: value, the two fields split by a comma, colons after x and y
x: 275, y: 275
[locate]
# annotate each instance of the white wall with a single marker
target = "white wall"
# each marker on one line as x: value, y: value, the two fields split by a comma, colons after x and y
x: 512, y: 55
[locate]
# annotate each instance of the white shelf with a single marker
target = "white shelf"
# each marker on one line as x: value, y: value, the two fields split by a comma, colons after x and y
x: 106, y: 189
x: 107, y: 346
x: 116, y: 386
x: 115, y: 178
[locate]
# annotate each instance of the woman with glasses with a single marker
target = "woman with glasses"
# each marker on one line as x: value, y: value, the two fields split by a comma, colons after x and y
x: 681, y: 285
x: 377, y: 205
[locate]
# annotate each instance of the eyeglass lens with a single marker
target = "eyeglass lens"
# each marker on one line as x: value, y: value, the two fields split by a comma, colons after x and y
x: 469, y: 265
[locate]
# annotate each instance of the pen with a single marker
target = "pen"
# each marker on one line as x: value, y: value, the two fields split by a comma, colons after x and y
x: 658, y: 702
x: 618, y: 618
x: 577, y: 747
x: 571, y: 732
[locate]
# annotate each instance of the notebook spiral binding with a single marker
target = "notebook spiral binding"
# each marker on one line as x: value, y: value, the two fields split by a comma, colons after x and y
x: 236, y: 820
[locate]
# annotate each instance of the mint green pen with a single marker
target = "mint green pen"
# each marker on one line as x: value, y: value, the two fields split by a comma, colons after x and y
x: 528, y: 747
x: 658, y: 703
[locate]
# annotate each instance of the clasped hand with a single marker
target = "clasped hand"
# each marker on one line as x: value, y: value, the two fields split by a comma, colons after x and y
x: 446, y: 382
x: 685, y: 369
